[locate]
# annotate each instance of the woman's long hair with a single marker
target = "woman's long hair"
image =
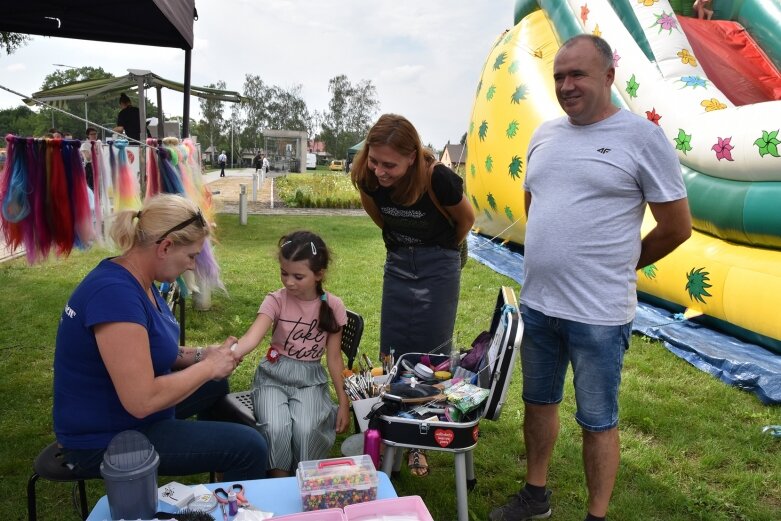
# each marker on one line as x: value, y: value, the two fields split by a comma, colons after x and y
x: 398, y: 133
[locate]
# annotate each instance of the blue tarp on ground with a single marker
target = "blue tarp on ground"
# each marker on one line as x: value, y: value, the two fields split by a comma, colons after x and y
x: 747, y: 366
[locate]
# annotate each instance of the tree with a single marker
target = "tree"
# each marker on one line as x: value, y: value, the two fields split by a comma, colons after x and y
x: 255, y: 107
x: 350, y: 114
x: 10, y: 42
x: 21, y: 121
x: 213, y: 122
x: 100, y: 109
x: 463, y: 139
x: 287, y: 109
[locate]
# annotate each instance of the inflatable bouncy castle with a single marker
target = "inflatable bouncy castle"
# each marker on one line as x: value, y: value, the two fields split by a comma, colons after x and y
x: 713, y: 86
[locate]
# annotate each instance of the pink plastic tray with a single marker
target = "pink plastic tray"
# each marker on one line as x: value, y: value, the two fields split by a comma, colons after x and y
x: 411, y: 505
x: 330, y: 514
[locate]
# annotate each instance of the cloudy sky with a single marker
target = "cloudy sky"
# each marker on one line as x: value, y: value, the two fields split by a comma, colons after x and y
x: 423, y: 56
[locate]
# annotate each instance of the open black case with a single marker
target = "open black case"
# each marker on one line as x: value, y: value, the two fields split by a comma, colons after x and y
x: 494, y: 373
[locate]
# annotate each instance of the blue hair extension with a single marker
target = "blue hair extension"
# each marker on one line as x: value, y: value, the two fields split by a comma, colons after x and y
x: 16, y: 205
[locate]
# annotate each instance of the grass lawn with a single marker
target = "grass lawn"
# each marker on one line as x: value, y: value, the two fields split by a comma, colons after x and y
x: 692, y: 447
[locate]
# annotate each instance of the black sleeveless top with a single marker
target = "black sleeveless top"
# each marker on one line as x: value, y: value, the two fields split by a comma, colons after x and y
x: 421, y: 224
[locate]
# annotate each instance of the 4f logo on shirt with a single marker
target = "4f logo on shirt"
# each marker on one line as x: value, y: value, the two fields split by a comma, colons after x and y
x: 603, y: 150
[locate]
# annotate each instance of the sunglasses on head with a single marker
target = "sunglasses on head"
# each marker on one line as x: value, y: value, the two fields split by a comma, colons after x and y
x: 198, y: 217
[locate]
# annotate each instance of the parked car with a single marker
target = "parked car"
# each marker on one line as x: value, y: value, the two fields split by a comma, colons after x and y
x: 337, y: 165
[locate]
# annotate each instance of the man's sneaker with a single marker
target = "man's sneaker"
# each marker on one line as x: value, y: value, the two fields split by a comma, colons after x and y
x: 522, y: 507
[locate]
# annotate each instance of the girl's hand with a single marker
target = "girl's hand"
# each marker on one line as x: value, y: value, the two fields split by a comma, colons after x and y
x: 343, y: 418
x: 222, y: 359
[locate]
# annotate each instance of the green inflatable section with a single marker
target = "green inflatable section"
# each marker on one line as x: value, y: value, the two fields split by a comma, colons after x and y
x: 742, y: 212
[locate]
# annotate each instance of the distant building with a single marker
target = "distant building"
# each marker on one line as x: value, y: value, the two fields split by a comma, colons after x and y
x: 454, y: 157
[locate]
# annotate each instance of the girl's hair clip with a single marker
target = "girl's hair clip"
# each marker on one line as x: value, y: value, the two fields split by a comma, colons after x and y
x: 323, y: 297
x: 285, y: 244
x: 314, y: 249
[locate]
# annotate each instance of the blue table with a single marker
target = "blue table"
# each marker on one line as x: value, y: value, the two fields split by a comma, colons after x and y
x: 279, y: 496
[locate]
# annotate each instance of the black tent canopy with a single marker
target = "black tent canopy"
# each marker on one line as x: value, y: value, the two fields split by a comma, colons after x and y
x: 162, y: 23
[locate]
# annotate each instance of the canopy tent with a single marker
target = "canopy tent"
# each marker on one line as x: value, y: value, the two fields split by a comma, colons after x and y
x: 84, y: 90
x: 87, y: 89
x: 163, y: 23
x: 353, y: 150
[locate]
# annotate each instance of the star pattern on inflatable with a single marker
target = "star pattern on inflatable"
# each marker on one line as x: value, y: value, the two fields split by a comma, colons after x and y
x: 647, y: 3
x: 632, y: 86
x: 489, y: 95
x: 500, y: 61
x: 489, y: 163
x: 712, y: 104
x: 694, y: 81
x: 596, y: 31
x: 697, y: 284
x: 723, y: 149
x: 652, y: 116
x: 584, y: 13
x: 650, y: 271
x: 616, y: 57
x: 683, y: 141
x: 687, y: 58
x: 512, y: 129
x: 666, y: 22
x: 519, y: 94
x: 768, y: 143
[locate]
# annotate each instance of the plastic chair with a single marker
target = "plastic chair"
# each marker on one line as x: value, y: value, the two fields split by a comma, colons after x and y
x: 239, y: 405
x: 50, y: 466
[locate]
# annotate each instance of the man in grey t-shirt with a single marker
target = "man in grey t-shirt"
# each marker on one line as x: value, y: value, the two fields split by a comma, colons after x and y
x: 590, y: 176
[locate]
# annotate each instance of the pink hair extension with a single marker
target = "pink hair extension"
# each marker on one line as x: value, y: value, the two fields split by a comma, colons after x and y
x: 152, y: 169
x: 42, y: 237
x: 82, y: 215
x: 58, y: 199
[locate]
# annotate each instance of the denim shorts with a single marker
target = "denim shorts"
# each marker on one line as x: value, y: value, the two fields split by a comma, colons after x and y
x: 597, y: 355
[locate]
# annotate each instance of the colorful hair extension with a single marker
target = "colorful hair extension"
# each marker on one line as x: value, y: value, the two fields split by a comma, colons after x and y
x: 82, y: 215
x: 12, y: 193
x: 59, y: 201
x: 152, y: 169
x: 207, y: 271
x: 41, y: 233
x: 97, y: 188
x: 169, y: 177
x: 129, y: 190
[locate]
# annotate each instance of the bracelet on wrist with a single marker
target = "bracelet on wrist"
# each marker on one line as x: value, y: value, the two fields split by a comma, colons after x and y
x: 198, y: 354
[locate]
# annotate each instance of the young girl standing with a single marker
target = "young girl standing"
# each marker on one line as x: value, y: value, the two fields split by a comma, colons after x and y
x: 293, y: 407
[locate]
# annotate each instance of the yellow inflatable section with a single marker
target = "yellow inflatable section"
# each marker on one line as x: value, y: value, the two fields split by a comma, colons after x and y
x: 737, y: 288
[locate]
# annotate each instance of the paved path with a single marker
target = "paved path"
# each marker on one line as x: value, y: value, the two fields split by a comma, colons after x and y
x: 226, y: 192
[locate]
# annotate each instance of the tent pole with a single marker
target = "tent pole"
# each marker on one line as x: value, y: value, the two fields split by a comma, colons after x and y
x: 142, y: 135
x: 160, y: 120
x: 186, y: 108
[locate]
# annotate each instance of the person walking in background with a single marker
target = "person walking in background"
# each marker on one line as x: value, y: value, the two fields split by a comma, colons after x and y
x: 399, y: 182
x: 222, y: 159
x: 293, y: 407
x: 128, y: 119
x: 265, y: 165
x: 86, y: 154
x: 585, y: 203
x: 702, y: 8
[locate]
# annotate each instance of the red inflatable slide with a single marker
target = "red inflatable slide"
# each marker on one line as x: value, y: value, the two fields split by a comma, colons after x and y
x: 733, y: 60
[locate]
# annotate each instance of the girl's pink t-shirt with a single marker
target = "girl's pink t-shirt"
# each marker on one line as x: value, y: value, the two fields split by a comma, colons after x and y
x: 296, y: 334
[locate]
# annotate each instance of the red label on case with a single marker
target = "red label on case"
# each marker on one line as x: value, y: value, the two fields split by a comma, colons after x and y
x: 443, y: 437
x: 476, y: 433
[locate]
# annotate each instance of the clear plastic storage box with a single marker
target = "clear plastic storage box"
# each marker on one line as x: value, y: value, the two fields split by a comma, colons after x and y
x: 336, y: 483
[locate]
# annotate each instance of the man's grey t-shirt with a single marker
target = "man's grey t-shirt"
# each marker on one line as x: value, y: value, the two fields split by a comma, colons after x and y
x: 589, y: 187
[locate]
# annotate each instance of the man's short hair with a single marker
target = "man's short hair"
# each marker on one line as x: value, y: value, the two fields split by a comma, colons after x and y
x: 124, y: 99
x: 600, y: 44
